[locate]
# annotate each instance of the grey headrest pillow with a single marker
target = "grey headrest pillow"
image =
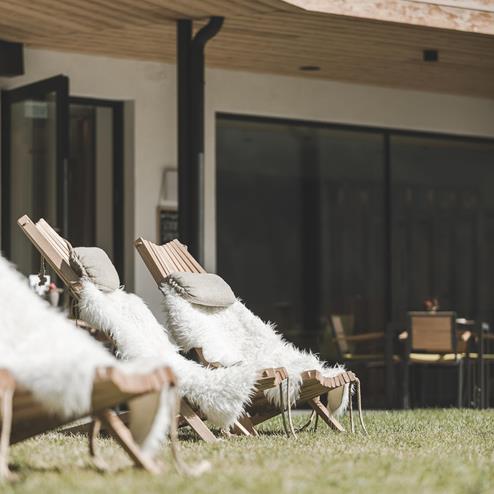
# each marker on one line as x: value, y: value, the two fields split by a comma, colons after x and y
x: 94, y: 263
x: 202, y: 288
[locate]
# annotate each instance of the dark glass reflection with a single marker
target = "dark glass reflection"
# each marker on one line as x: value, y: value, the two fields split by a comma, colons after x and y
x: 301, y: 230
x: 442, y: 225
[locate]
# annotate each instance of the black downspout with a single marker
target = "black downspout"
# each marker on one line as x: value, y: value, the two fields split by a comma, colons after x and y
x: 184, y: 50
x: 191, y: 71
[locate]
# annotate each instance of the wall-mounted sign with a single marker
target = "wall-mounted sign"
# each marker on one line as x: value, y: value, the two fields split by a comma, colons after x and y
x: 167, y: 212
x: 167, y: 224
x: 36, y: 109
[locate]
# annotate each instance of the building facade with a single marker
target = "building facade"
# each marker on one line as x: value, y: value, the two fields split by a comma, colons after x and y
x: 321, y: 195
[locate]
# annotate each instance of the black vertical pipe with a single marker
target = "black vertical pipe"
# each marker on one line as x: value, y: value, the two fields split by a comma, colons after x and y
x: 190, y: 62
x: 184, y: 50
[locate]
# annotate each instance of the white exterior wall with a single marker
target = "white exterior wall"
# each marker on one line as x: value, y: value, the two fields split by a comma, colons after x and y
x: 152, y: 88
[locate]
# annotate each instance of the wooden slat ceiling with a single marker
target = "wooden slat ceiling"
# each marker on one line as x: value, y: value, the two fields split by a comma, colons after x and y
x: 459, y: 15
x: 262, y: 36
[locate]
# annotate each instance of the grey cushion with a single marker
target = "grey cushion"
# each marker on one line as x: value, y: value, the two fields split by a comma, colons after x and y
x: 94, y: 263
x: 202, y: 288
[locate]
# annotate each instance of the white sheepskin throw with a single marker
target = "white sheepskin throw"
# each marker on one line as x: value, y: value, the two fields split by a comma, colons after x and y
x: 234, y: 334
x: 48, y: 355
x: 221, y: 394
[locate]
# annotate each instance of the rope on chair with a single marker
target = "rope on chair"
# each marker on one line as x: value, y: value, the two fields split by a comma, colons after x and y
x: 6, y: 399
x: 316, y: 423
x: 289, y: 429
x: 182, y: 467
x: 308, y: 423
x: 359, y: 404
x: 350, y: 409
x: 42, y: 272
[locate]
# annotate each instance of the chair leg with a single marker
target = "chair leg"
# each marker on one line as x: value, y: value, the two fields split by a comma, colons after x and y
x: 191, y: 417
x: 487, y: 391
x: 406, y: 386
x: 460, y: 384
x: 238, y: 429
x: 468, y: 385
x: 94, y: 431
x: 423, y: 380
x: 123, y: 436
x: 323, y: 412
x: 6, y: 398
x: 245, y: 427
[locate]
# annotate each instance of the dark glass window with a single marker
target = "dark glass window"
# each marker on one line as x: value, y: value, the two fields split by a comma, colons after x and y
x: 442, y: 224
x: 301, y: 223
x: 315, y: 220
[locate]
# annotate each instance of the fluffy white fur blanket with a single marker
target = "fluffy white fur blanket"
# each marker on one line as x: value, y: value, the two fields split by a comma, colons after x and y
x: 56, y: 361
x: 234, y: 334
x: 220, y: 393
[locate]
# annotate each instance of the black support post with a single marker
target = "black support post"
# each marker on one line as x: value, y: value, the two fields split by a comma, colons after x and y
x: 190, y: 82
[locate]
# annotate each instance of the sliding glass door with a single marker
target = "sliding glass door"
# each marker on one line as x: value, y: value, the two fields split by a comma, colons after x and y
x: 442, y: 211
x: 62, y: 160
x: 301, y: 222
x: 314, y: 220
x: 34, y: 162
x: 95, y: 179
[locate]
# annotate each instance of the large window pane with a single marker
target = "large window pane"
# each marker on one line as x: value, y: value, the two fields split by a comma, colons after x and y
x: 442, y: 224
x: 259, y: 217
x: 301, y: 222
x: 33, y: 172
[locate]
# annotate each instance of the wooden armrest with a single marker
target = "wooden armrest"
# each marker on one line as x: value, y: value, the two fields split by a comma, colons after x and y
x: 203, y: 361
x: 362, y: 337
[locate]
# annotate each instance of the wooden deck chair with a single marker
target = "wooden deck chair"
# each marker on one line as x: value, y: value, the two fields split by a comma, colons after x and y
x: 55, y: 251
x: 24, y: 417
x: 163, y: 260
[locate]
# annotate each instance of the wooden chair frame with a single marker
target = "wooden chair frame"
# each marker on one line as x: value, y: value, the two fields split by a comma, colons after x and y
x: 23, y: 416
x: 409, y: 348
x: 163, y: 260
x: 55, y: 251
x: 386, y: 359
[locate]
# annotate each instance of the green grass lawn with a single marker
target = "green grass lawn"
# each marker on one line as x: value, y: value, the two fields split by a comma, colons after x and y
x: 422, y: 451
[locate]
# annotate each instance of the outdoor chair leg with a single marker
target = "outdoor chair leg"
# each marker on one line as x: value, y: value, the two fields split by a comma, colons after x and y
x: 196, y: 423
x: 406, y: 386
x: 460, y: 384
x: 123, y: 436
x: 244, y: 427
x: 239, y: 430
x: 6, y: 399
x: 323, y: 412
x: 487, y: 390
x: 93, y: 452
x: 468, y: 398
x: 423, y: 380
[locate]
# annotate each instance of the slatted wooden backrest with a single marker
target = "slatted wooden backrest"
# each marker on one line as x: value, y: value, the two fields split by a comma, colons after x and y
x: 53, y: 248
x: 162, y: 260
x: 432, y: 332
x: 340, y: 323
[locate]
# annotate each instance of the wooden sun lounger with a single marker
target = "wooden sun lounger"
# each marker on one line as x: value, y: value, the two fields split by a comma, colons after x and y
x: 55, y: 250
x: 162, y: 260
x: 24, y: 417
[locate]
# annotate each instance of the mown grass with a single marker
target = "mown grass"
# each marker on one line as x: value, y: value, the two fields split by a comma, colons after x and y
x: 419, y: 452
